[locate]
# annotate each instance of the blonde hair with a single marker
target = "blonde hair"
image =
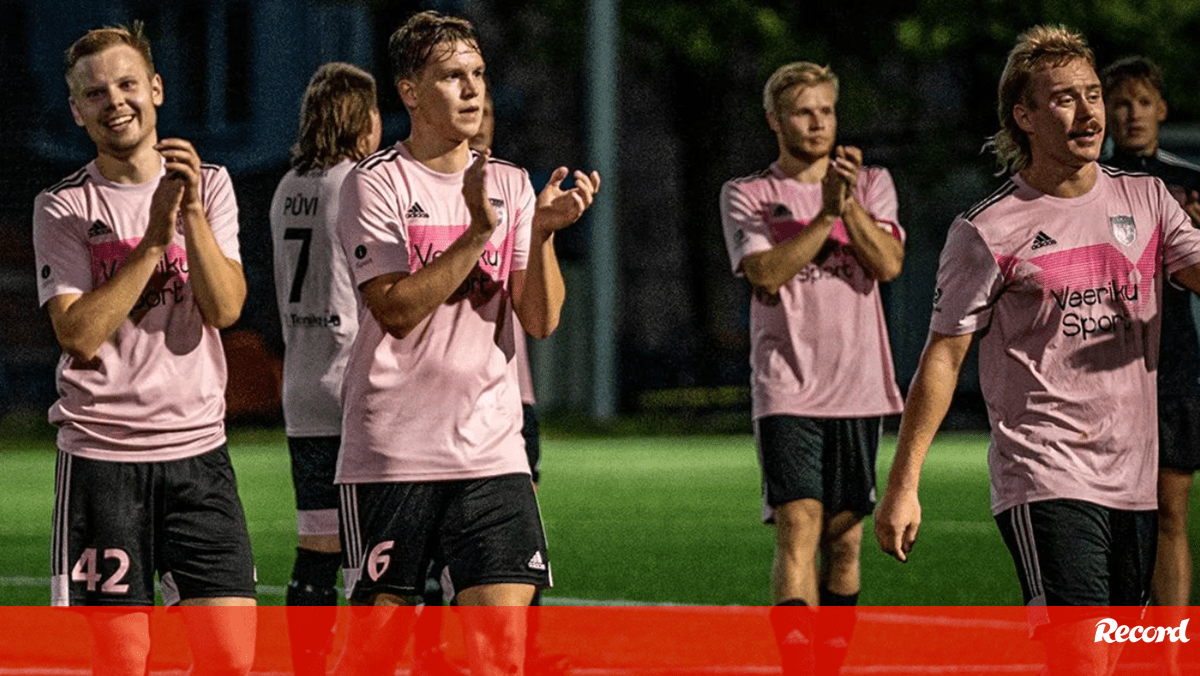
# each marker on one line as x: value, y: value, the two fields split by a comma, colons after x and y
x: 1037, y: 48
x: 334, y: 116
x: 100, y: 39
x: 801, y: 73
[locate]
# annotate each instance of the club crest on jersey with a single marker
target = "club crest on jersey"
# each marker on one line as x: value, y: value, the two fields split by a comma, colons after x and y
x: 1123, y: 229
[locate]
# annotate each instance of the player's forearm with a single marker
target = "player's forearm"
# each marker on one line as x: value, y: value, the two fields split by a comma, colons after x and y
x: 539, y: 305
x: 218, y: 283
x: 876, y: 249
x: 401, y: 302
x: 925, y: 407
x: 776, y: 266
x: 82, y: 323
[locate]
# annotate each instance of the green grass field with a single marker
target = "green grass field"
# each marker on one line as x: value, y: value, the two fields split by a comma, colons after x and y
x: 638, y: 519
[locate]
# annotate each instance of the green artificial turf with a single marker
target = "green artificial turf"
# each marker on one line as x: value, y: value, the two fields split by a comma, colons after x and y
x: 656, y: 519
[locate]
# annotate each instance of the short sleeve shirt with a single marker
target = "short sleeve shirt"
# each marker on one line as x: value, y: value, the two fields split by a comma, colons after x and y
x: 442, y: 403
x: 156, y: 389
x: 1065, y: 294
x: 1180, y: 343
x: 318, y: 309
x: 819, y: 348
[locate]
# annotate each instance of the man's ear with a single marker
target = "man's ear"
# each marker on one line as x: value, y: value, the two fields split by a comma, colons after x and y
x: 407, y: 89
x: 1021, y: 115
x: 1161, y: 113
x: 773, y: 122
x: 156, y: 90
x: 75, y: 111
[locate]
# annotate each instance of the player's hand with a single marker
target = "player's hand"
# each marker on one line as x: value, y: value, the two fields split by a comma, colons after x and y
x: 182, y: 163
x: 474, y: 190
x: 897, y: 519
x: 164, y: 211
x: 1191, y: 204
x: 833, y: 191
x: 847, y: 163
x: 558, y: 208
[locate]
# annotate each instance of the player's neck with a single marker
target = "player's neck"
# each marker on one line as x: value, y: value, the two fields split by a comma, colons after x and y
x: 1060, y: 180
x: 439, y: 154
x: 803, y: 169
x: 1145, y: 151
x: 140, y: 165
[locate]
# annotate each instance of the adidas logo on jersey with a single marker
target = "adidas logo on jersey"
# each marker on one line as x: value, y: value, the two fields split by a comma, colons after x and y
x: 415, y: 211
x: 99, y: 228
x: 537, y: 562
x: 1042, y: 239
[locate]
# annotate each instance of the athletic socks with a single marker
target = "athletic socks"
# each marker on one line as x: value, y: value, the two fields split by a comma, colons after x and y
x: 835, y: 625
x: 793, y: 623
x: 312, y: 609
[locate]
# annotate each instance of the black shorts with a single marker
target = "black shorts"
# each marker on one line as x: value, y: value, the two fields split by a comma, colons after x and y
x: 1179, y: 433
x: 116, y: 524
x: 1071, y: 553
x: 530, y: 430
x: 827, y: 459
x: 314, y: 462
x: 483, y: 531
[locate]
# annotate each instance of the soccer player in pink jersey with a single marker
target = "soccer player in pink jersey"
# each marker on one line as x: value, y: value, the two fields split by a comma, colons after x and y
x: 815, y: 234
x: 1134, y: 104
x: 339, y: 125
x: 138, y: 268
x: 1060, y: 272
x: 444, y: 244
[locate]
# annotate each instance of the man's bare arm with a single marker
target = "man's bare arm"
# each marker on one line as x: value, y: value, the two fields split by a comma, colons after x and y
x: 218, y: 283
x: 898, y: 516
x: 876, y: 249
x: 539, y: 291
x: 400, y: 301
x: 82, y: 322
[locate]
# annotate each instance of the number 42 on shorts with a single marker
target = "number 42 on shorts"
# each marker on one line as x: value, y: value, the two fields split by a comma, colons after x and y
x: 87, y: 570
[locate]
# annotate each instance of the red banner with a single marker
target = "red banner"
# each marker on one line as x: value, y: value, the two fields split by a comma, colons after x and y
x: 612, y: 641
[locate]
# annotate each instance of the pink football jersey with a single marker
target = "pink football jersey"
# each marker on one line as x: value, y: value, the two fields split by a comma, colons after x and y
x: 1065, y: 294
x: 819, y: 348
x: 156, y: 389
x: 442, y: 403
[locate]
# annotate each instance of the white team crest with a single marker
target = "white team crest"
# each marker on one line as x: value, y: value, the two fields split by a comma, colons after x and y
x: 1123, y: 228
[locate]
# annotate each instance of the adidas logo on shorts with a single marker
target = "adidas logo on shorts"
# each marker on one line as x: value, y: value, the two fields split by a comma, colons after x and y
x: 537, y: 562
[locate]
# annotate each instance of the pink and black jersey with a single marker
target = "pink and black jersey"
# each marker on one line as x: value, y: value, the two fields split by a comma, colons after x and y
x: 442, y: 403
x: 156, y: 389
x: 318, y: 308
x: 1066, y: 296
x: 819, y: 348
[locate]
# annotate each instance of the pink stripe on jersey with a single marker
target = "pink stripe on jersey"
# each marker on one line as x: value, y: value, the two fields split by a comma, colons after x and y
x: 1069, y: 321
x: 819, y: 347
x: 427, y: 242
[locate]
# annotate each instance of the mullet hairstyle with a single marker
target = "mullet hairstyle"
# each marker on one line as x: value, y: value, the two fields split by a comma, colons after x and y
x: 1037, y: 48
x: 334, y: 116
x: 414, y: 43
x: 1137, y: 68
x: 800, y: 73
x: 100, y: 39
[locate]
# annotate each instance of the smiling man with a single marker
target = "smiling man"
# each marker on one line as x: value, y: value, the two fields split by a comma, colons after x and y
x: 138, y: 268
x: 1060, y: 272
x: 444, y: 244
